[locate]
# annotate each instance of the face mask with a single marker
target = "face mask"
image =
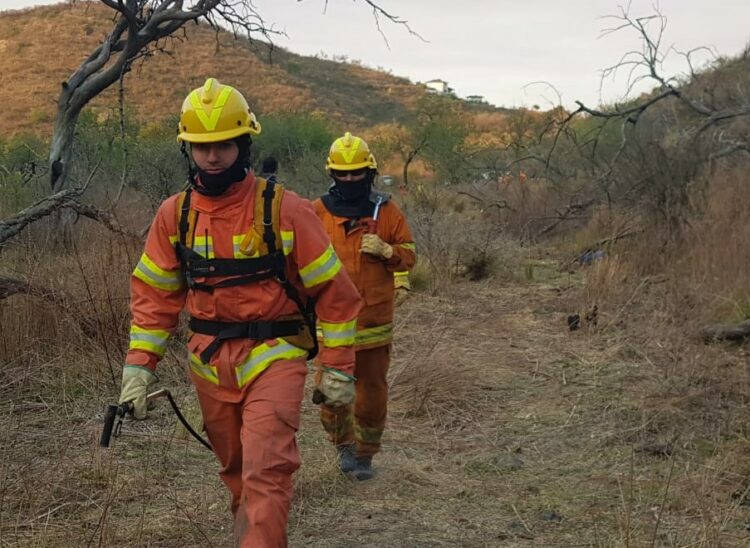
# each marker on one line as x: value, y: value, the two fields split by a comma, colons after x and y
x: 215, y: 184
x: 351, y: 191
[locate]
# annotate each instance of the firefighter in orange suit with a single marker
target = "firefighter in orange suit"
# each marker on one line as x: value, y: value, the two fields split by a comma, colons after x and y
x: 373, y: 241
x: 246, y: 259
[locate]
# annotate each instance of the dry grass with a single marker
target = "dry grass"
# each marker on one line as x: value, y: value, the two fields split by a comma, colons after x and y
x: 456, y: 240
x: 505, y: 427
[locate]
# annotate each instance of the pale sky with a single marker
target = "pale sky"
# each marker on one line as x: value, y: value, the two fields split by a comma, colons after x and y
x: 496, y: 48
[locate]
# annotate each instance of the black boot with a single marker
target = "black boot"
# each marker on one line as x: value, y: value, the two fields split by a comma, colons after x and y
x: 347, y: 460
x: 363, y: 471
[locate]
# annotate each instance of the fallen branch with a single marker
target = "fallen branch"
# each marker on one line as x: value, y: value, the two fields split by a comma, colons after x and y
x: 726, y: 332
x: 43, y: 208
x: 16, y: 286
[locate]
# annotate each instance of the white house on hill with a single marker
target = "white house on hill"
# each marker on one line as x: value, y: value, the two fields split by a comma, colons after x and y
x: 438, y: 86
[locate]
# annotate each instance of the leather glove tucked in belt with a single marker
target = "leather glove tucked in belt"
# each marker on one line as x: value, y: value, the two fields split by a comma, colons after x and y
x: 372, y: 244
x: 136, y: 381
x: 336, y: 386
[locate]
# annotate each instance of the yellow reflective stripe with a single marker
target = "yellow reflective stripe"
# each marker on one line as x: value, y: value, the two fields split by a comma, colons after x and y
x: 174, y: 239
x: 287, y: 239
x: 338, y: 334
x: 411, y: 246
x: 401, y: 279
x: 204, y: 246
x: 262, y: 356
x: 368, y: 435
x: 382, y: 333
x: 209, y: 121
x: 321, y: 269
x: 149, y: 272
x: 237, y: 240
x: 153, y: 340
x: 203, y: 370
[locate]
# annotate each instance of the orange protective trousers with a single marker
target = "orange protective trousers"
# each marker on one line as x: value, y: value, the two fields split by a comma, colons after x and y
x: 255, y: 442
x: 362, y: 423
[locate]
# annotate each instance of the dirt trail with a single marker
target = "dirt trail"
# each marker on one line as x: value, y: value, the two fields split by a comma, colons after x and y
x: 492, y: 473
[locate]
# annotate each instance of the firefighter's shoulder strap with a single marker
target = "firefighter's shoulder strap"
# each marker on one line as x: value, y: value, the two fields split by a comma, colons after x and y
x: 263, y: 237
x: 186, y: 218
x: 267, y: 215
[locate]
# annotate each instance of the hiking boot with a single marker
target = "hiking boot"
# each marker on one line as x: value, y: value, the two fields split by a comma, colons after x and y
x: 347, y: 460
x: 363, y: 471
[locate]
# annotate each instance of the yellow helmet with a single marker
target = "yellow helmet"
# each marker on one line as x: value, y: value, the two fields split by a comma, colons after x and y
x: 349, y: 153
x: 215, y: 112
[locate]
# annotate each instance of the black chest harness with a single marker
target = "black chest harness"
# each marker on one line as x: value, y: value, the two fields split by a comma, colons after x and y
x: 263, y: 237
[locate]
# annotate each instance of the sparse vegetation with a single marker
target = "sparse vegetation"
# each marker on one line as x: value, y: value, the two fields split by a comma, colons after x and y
x: 506, y: 426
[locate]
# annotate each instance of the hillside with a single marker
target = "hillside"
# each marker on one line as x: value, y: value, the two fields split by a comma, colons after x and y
x: 273, y: 81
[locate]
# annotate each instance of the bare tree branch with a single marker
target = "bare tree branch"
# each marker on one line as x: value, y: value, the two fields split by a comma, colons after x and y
x: 104, y: 217
x: 46, y: 206
x: 646, y: 64
x: 572, y: 212
x: 377, y: 13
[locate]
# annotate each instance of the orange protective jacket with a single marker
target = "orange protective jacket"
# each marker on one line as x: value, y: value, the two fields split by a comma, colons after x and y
x: 159, y: 293
x: 374, y: 277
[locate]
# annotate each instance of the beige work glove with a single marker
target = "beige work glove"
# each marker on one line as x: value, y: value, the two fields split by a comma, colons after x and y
x: 336, y: 386
x: 136, y: 381
x: 372, y: 244
x: 401, y: 294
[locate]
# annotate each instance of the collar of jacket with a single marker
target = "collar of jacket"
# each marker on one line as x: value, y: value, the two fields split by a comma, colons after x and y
x: 226, y: 204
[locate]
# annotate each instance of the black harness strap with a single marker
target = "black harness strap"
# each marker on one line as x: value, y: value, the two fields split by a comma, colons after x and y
x: 241, y: 272
x: 185, y: 217
x: 268, y: 234
x: 260, y: 330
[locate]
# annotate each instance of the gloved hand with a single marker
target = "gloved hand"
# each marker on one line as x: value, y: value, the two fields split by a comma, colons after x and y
x: 335, y: 385
x: 372, y: 244
x: 136, y: 381
x: 401, y: 295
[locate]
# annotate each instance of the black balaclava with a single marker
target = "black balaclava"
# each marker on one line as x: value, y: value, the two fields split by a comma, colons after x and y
x: 352, y: 191
x: 218, y: 183
x: 350, y: 198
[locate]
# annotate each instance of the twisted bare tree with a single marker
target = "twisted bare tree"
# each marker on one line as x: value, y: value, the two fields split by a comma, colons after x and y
x: 714, y: 124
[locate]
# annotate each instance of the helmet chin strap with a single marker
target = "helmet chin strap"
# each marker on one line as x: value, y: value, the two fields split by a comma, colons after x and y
x: 190, y: 167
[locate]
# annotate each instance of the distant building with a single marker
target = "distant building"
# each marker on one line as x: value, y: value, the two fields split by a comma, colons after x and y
x: 438, y: 86
x: 475, y: 99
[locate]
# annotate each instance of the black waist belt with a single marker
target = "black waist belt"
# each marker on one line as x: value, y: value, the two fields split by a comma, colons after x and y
x: 242, y: 330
